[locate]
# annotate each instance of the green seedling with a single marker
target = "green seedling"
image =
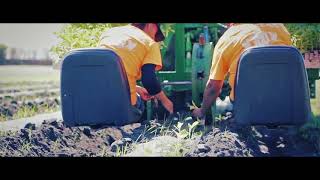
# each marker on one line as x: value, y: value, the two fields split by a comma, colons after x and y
x: 122, y: 151
x: 183, y: 133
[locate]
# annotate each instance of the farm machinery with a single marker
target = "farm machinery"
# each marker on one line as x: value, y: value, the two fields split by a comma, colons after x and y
x: 187, y: 54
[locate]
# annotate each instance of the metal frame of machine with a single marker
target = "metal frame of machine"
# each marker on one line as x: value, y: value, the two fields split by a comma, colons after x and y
x: 193, y: 47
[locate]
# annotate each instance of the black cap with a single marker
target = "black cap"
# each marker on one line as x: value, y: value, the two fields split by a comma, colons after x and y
x: 159, y: 35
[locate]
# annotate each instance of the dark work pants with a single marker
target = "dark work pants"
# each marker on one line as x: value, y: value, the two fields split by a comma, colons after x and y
x: 138, y: 109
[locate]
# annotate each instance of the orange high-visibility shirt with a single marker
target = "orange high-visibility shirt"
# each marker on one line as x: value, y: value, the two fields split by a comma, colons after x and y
x: 238, y: 38
x: 135, y: 48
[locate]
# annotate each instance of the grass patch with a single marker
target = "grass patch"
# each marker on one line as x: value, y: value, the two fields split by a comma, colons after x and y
x: 27, y: 111
x: 170, y: 138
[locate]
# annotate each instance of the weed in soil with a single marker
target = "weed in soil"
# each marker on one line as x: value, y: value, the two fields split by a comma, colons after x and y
x: 184, y: 137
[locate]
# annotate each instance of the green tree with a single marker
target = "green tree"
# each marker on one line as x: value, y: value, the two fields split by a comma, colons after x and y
x: 78, y: 35
x: 2, y: 52
x: 84, y: 35
x: 305, y: 36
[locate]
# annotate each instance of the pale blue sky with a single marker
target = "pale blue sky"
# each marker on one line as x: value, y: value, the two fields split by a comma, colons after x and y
x: 29, y: 35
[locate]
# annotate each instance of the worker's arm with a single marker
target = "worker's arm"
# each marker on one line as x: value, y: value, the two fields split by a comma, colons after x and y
x: 149, y: 79
x: 166, y: 102
x: 153, y: 87
x: 210, y: 95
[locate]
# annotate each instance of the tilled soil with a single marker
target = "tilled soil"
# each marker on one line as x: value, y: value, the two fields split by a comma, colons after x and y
x: 52, y: 138
x: 229, y: 140
x: 23, y: 98
x: 219, y: 143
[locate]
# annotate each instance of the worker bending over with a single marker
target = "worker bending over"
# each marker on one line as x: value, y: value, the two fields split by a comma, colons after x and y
x: 137, y: 46
x: 227, y: 52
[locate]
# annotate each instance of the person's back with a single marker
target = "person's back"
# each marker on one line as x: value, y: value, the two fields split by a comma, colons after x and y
x: 238, y: 38
x: 135, y: 48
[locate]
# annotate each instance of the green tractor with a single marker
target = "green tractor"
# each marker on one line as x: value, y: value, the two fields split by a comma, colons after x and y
x: 187, y: 54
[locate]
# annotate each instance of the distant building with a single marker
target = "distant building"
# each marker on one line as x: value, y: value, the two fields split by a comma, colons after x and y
x: 27, y: 54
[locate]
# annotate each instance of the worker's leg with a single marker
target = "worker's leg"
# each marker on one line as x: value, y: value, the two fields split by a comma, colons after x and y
x: 138, y: 109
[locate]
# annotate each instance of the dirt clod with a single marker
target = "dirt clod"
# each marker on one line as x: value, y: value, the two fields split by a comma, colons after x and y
x: 30, y: 126
x: 109, y: 140
x: 52, y: 138
x: 120, y: 144
x: 202, y: 148
x: 87, y: 132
